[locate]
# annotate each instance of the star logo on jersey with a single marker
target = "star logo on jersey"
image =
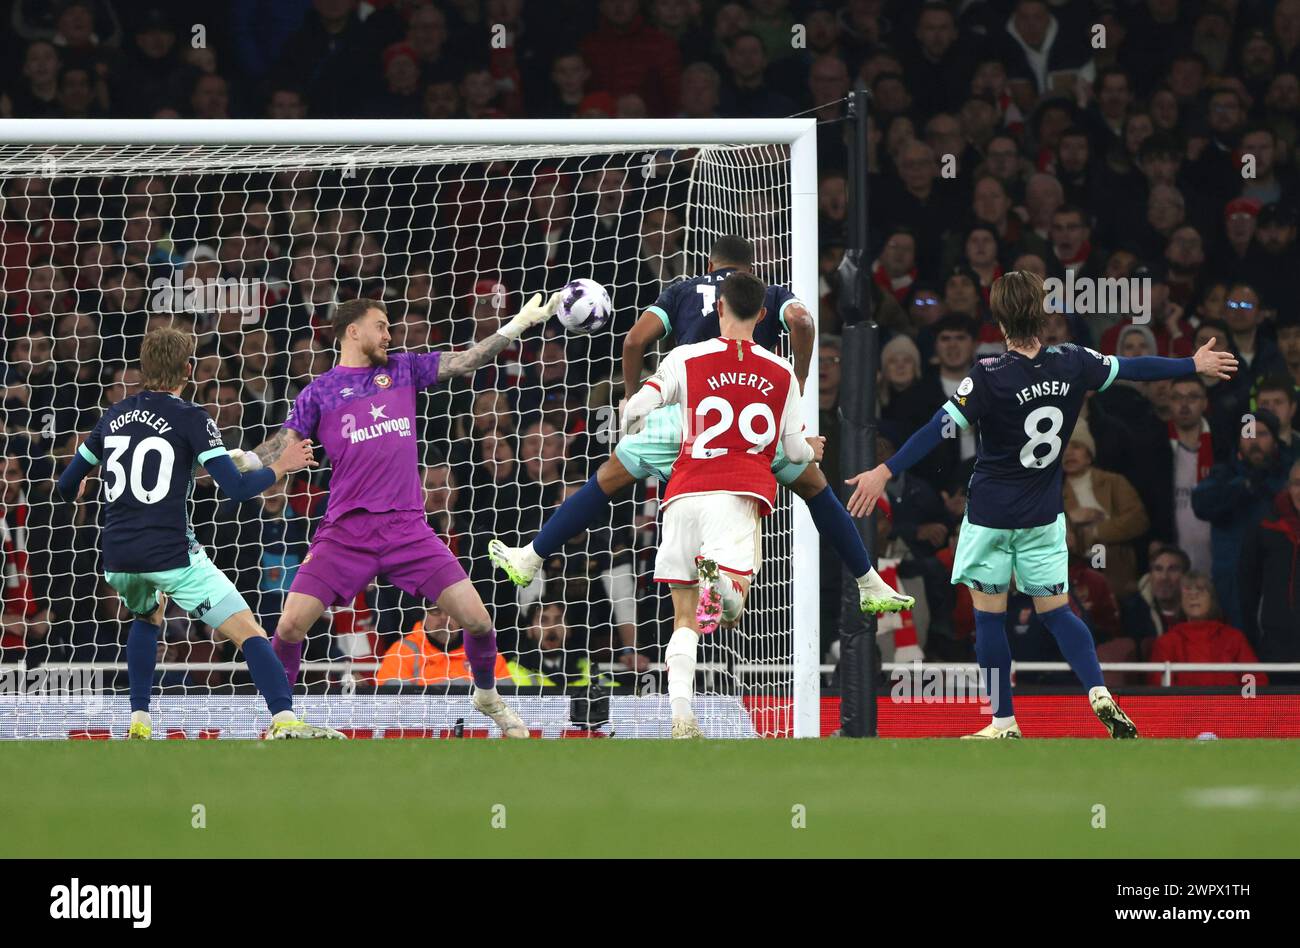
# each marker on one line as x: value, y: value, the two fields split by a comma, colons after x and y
x: 383, y: 380
x: 377, y: 411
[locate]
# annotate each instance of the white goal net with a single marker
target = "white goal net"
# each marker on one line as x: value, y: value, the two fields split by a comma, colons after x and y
x: 251, y: 246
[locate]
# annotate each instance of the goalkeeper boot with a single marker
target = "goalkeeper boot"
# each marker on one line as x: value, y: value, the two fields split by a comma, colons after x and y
x: 505, y: 717
x: 519, y: 563
x: 994, y: 733
x: 1108, y: 713
x: 876, y: 596
x: 709, y: 612
x: 301, y: 730
x: 139, y: 731
x: 685, y: 729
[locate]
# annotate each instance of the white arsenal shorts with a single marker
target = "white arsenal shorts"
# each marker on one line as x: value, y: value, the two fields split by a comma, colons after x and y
x: 721, y: 527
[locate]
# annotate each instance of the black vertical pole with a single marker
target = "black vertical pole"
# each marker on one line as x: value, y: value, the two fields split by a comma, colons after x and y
x: 859, y: 356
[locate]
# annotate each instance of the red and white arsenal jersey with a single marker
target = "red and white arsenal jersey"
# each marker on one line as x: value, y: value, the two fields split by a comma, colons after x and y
x: 736, y: 399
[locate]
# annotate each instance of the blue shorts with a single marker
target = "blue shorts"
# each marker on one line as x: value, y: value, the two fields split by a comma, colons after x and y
x: 653, y: 450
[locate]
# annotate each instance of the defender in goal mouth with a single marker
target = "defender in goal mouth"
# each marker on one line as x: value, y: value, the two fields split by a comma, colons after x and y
x: 688, y: 311
x: 723, y: 481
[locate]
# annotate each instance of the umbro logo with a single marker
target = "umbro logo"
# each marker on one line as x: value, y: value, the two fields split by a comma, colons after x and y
x: 346, y: 391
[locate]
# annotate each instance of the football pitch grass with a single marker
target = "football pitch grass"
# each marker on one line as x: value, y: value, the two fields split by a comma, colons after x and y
x: 603, y: 798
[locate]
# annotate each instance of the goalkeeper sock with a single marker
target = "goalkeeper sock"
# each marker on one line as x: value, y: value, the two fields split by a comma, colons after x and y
x: 1076, y: 644
x: 266, y: 671
x: 580, y: 512
x: 993, y: 652
x: 680, y: 659
x: 290, y: 656
x: 481, y: 653
x: 834, y: 523
x: 141, y: 660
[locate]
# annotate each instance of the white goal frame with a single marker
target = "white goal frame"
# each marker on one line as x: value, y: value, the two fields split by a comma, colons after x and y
x: 798, y: 134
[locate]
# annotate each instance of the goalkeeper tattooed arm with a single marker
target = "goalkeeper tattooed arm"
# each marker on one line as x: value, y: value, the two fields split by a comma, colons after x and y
x: 268, y: 452
x: 245, y: 474
x: 299, y: 428
x: 452, y: 364
x: 241, y: 483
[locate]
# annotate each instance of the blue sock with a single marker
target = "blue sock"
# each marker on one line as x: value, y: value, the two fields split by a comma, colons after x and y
x: 834, y: 523
x: 993, y: 653
x: 141, y: 659
x: 268, y: 673
x: 575, y: 515
x: 1076, y: 644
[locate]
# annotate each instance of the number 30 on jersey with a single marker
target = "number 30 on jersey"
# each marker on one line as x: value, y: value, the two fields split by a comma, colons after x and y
x: 119, y: 478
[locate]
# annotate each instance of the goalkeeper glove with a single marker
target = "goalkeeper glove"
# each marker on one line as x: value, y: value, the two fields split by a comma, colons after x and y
x: 245, y: 461
x: 533, y: 313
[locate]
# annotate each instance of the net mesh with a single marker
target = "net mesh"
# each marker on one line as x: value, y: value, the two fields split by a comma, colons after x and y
x: 252, y: 247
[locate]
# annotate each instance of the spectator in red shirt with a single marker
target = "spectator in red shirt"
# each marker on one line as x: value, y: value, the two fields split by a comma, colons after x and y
x: 626, y: 54
x: 1204, y: 637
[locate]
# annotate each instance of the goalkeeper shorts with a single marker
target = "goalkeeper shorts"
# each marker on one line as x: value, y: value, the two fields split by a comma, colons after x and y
x: 200, y: 589
x: 653, y: 450
x: 987, y: 558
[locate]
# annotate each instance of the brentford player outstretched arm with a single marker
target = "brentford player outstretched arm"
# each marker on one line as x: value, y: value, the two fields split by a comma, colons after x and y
x: 1025, y: 405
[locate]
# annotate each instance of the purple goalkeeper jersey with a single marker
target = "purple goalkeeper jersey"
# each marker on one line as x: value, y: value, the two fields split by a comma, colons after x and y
x: 365, y: 419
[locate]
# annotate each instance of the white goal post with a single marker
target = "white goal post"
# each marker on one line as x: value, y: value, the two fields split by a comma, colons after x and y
x: 735, y: 172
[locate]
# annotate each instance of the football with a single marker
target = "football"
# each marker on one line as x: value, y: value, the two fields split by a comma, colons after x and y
x: 584, y: 307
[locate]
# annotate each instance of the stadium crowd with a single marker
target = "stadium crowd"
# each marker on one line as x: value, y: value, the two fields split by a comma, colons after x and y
x: 1153, y: 140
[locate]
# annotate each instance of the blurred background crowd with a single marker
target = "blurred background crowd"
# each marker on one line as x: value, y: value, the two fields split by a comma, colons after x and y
x: 1150, y: 139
